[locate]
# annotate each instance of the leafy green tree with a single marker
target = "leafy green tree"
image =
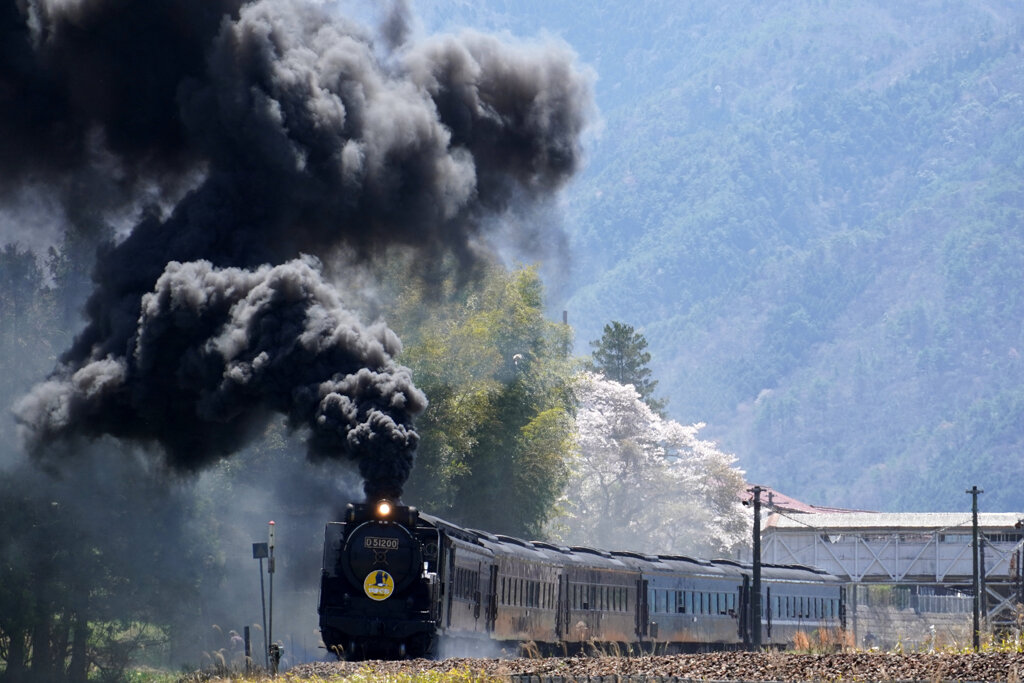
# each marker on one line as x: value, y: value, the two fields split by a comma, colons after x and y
x: 499, y: 425
x: 621, y: 356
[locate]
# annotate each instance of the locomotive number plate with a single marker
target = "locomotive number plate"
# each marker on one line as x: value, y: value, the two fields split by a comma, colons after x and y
x: 378, y: 543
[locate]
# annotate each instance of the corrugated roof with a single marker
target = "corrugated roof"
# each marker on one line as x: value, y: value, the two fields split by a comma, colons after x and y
x: 961, y: 521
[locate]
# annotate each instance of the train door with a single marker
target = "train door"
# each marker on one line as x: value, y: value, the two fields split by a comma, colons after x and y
x: 744, y: 605
x: 449, y: 581
x: 562, y: 609
x: 492, y: 597
x: 642, y: 611
x: 477, y: 595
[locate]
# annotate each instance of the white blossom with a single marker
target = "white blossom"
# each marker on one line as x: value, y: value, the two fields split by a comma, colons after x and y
x: 640, y: 482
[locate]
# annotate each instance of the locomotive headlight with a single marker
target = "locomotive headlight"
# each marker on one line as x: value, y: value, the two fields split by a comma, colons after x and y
x: 383, y: 508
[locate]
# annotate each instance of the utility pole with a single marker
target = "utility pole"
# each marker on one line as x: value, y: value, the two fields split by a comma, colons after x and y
x: 274, y: 654
x: 755, y: 589
x: 259, y: 552
x: 974, y: 491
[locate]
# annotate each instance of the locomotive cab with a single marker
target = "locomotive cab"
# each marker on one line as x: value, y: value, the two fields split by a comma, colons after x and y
x: 378, y: 582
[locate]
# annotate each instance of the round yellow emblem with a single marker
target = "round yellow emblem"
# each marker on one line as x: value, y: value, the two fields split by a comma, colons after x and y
x: 378, y: 585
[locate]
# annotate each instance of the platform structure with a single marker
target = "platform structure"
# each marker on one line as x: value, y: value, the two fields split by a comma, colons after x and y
x: 926, y: 555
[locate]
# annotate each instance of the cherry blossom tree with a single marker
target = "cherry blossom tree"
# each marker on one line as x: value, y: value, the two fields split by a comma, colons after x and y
x: 641, y: 482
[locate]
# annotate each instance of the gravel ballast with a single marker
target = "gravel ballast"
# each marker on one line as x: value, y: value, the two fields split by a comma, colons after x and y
x: 720, y: 666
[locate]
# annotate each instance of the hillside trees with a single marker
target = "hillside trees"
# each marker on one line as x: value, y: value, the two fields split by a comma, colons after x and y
x: 644, y: 483
x: 499, y: 425
x: 98, y: 543
x: 621, y: 356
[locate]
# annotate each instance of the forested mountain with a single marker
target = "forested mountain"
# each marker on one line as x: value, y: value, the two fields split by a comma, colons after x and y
x: 812, y: 210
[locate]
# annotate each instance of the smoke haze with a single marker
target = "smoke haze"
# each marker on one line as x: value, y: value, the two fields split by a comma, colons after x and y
x: 280, y: 129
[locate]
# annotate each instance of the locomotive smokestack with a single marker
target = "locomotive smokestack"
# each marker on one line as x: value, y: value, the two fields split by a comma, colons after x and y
x: 299, y: 133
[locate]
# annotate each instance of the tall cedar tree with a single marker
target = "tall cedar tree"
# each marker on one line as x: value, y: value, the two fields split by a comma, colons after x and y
x: 620, y: 355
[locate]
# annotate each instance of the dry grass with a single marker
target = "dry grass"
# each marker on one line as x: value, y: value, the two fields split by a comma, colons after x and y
x: 823, y: 640
x: 364, y: 676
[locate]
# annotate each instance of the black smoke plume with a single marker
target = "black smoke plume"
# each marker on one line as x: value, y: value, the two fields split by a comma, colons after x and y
x: 299, y: 133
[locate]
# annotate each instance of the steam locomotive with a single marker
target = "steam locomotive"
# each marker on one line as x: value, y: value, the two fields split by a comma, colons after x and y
x: 395, y: 580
